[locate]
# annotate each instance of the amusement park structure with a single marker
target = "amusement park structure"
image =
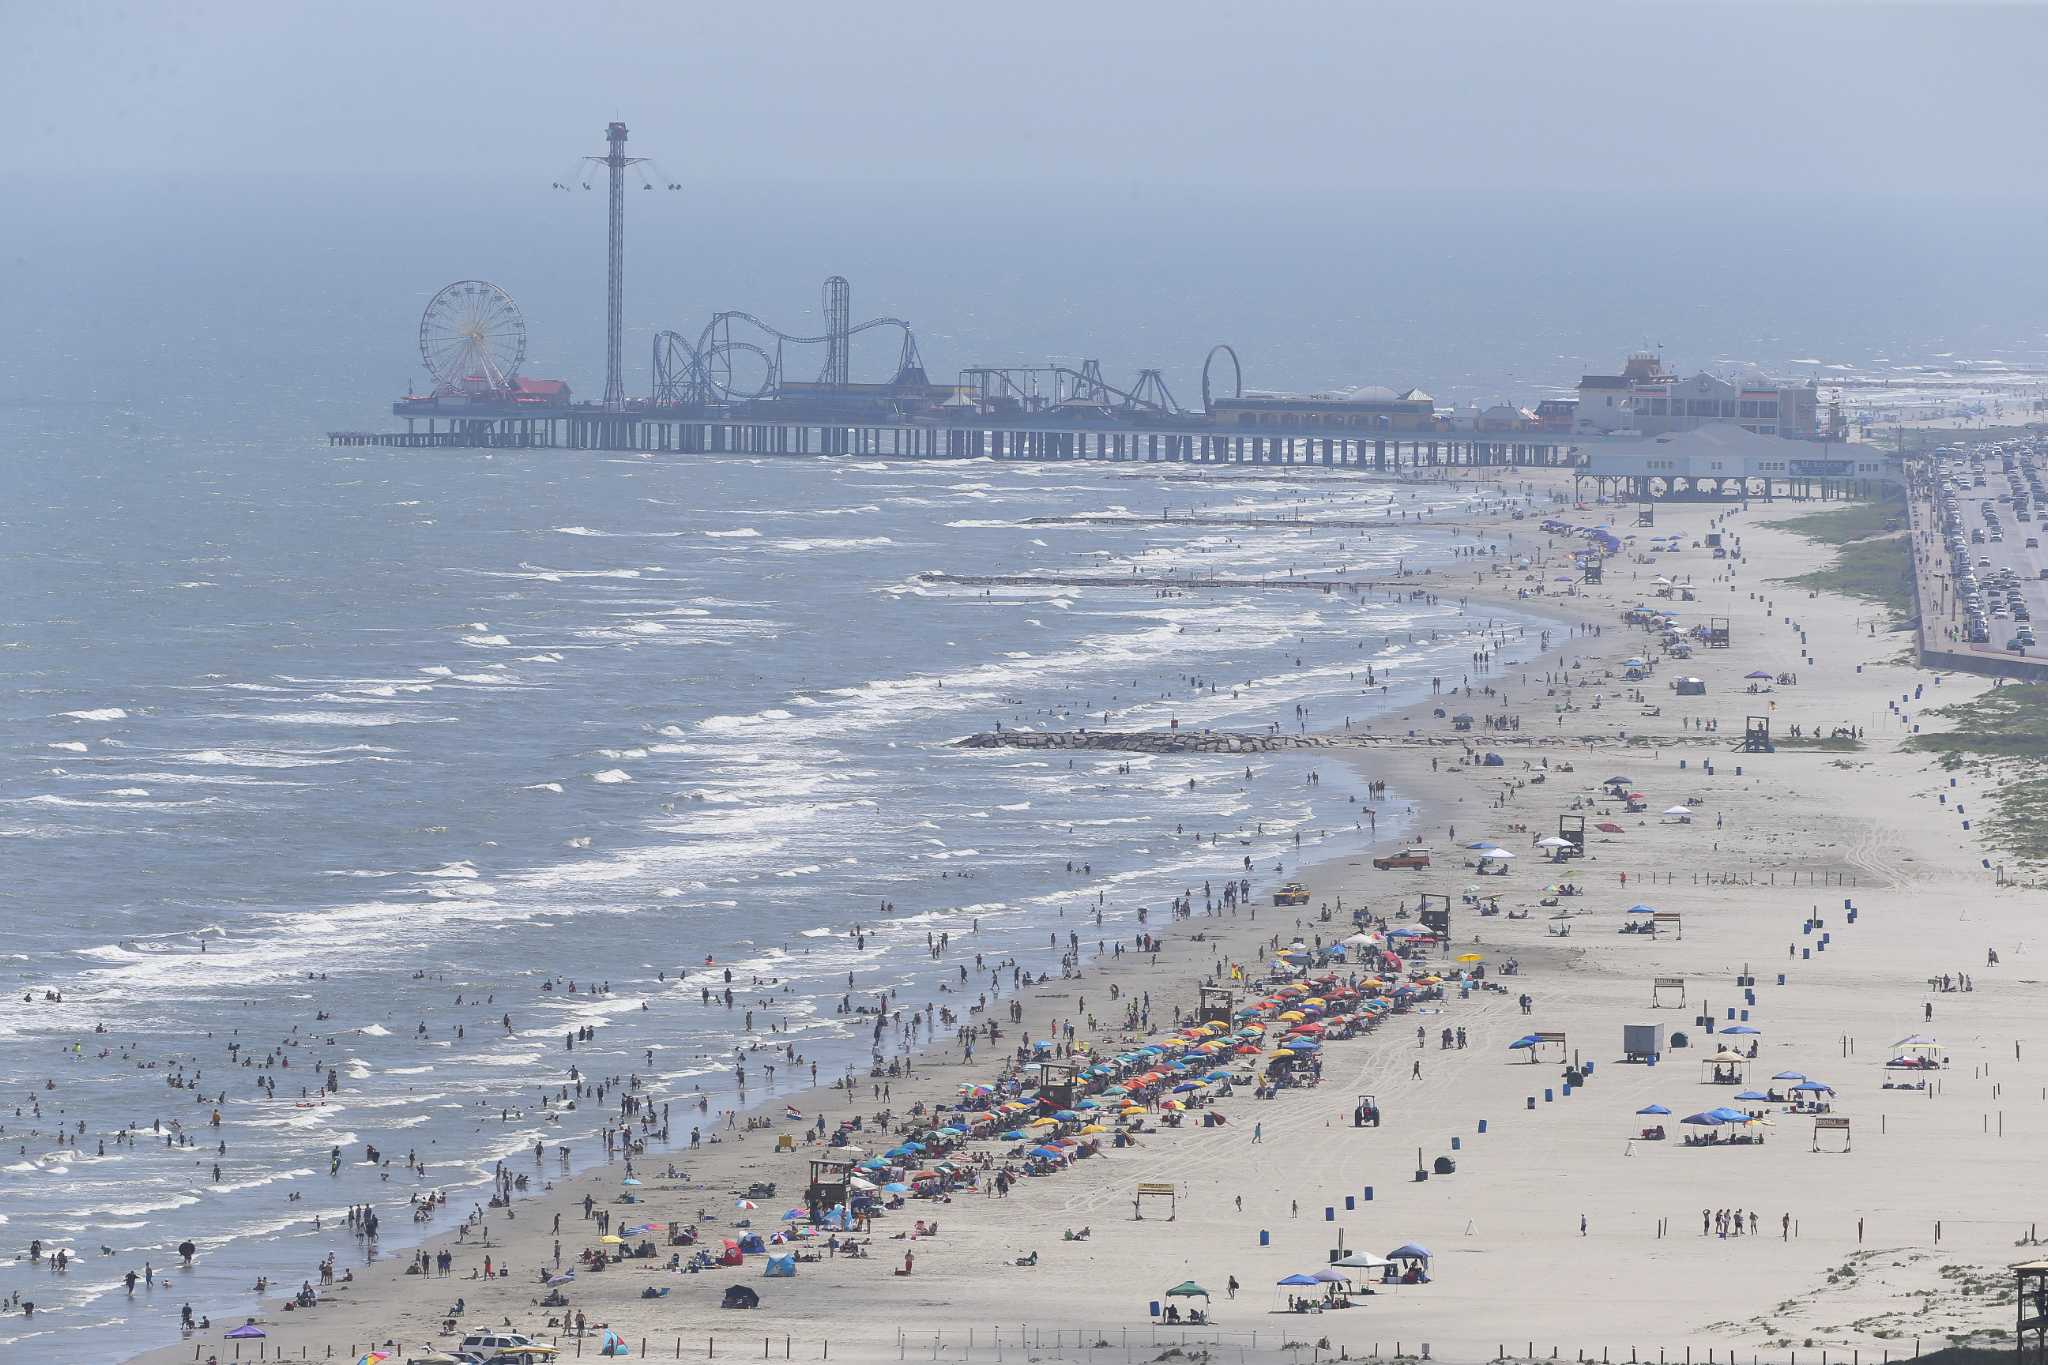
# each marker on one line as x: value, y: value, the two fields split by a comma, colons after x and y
x: 737, y: 385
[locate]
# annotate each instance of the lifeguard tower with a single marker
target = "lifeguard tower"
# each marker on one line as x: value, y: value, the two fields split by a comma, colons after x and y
x: 1572, y: 829
x: 2031, y: 1283
x: 1756, y: 736
x: 1717, y: 632
x: 1056, y: 1082
x: 831, y: 1182
x: 1217, y: 1005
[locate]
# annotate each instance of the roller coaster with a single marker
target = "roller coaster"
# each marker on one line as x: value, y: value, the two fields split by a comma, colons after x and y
x: 740, y: 359
x: 724, y: 367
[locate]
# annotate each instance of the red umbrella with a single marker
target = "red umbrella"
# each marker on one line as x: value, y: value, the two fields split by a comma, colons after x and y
x: 1608, y: 827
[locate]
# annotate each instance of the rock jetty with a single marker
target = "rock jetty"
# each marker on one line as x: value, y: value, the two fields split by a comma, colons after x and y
x: 1146, y: 741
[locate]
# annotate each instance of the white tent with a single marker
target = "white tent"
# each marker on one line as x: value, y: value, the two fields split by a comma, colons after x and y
x: 1553, y: 842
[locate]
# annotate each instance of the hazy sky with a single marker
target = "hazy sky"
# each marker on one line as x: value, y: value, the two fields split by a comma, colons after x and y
x: 1305, y: 97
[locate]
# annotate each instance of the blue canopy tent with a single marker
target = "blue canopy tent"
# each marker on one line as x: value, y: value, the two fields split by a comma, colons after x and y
x: 780, y: 1267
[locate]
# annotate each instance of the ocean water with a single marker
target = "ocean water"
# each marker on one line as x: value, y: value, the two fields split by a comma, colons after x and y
x: 339, y: 736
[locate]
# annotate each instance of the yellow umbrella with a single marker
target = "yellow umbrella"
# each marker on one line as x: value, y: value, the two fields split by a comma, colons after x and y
x: 1471, y: 957
x: 612, y: 1239
x: 1044, y: 1123
x: 1093, y: 1128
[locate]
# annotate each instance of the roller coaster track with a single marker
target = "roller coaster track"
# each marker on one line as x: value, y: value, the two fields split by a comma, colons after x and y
x: 703, y: 372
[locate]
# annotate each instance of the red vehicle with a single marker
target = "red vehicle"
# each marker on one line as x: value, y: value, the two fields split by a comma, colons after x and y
x: 1412, y: 857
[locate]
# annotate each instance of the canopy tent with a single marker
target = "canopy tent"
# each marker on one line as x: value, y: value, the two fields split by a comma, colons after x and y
x: 1653, y: 1109
x: 1187, y: 1289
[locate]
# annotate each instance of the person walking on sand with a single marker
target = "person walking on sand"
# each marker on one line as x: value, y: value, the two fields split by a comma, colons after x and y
x: 1258, y: 1136
x: 1416, y: 1074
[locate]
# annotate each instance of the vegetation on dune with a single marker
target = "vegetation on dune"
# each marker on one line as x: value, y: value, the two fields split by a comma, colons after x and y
x: 1872, y: 563
x: 1878, y: 571
x: 2002, y: 735
x: 1857, y: 521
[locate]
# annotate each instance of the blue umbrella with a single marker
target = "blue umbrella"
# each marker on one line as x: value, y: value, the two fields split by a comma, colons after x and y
x: 1653, y: 1109
x: 1047, y: 1152
x: 1409, y: 1251
x: 1530, y: 1041
x: 1015, y: 1135
x: 1301, y: 1045
x: 896, y: 1187
x: 1741, y: 1028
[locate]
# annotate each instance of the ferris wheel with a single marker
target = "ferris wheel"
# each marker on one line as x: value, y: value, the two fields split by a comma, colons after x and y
x: 472, y: 336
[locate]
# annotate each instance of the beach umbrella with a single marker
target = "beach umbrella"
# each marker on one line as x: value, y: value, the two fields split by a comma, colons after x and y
x: 1014, y: 1135
x: 629, y: 1180
x: 1481, y: 843
x: 1759, y: 674
x: 1608, y: 827
x: 1493, y: 854
x: 1409, y: 1251
x: 1471, y: 957
x: 248, y: 1331
x: 1653, y: 1109
x: 794, y: 1215
x: 373, y: 1358
x: 1678, y: 810
x: 896, y: 1187
x: 1553, y: 841
x: 1741, y: 1028
x: 1298, y: 1280
x: 1049, y: 1153
x: 1187, y: 1289
x: 1529, y: 1041
x: 612, y: 1239
x: 1619, y: 782
x: 745, y: 1204
x: 561, y: 1279
x: 864, y: 1186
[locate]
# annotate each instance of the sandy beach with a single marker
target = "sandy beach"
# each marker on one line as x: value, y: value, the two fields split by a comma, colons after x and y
x: 1560, y: 1228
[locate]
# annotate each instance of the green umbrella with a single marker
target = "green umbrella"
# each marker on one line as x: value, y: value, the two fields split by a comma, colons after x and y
x: 1187, y: 1289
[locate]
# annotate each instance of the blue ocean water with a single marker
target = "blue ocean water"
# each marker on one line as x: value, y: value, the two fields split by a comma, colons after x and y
x: 299, y: 744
